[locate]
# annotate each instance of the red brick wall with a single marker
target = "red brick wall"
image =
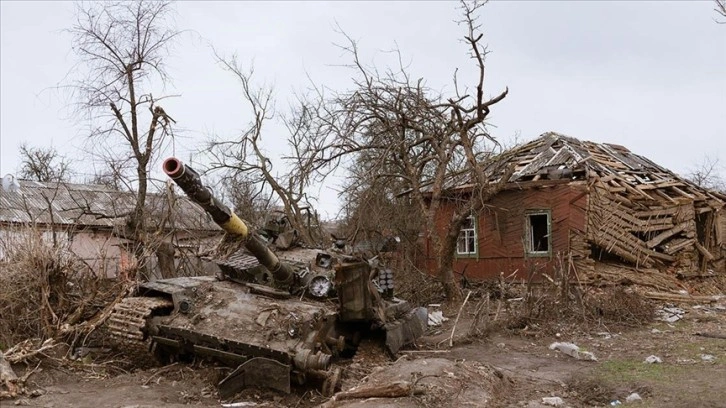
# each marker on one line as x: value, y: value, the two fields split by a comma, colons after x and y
x: 501, y: 244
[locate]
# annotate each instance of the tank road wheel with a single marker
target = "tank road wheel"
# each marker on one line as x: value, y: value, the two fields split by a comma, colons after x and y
x: 331, y: 383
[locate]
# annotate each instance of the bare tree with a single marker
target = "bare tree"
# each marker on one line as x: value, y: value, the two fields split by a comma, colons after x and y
x: 436, y: 145
x: 707, y: 174
x: 122, y: 47
x: 245, y: 158
x: 720, y: 8
x: 43, y: 164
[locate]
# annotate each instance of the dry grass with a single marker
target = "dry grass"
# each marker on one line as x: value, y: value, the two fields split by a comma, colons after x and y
x: 549, y: 305
x: 612, y: 307
x: 44, y: 287
x: 417, y: 287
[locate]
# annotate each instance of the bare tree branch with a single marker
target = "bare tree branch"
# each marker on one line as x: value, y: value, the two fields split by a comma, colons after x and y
x: 720, y: 8
x: 244, y: 159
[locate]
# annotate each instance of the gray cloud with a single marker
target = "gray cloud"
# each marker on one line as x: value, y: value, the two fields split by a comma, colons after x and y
x: 648, y: 75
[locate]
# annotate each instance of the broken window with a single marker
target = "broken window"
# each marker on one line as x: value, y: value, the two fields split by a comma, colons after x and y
x: 467, y: 237
x: 538, y: 233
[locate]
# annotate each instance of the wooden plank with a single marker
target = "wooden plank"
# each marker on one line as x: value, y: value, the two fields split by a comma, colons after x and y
x: 615, y: 249
x: 707, y: 255
x: 683, y: 193
x: 659, y: 222
x: 666, y: 196
x: 655, y: 227
x: 601, y: 219
x: 657, y: 212
x: 635, y: 245
x: 623, y: 200
x: 622, y: 211
x: 668, y: 183
x: 661, y: 256
x: 675, y: 247
x: 673, y: 297
x: 635, y: 191
x: 666, y: 234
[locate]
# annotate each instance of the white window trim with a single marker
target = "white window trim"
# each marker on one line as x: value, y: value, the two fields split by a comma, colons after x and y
x: 530, y: 236
x: 466, y: 231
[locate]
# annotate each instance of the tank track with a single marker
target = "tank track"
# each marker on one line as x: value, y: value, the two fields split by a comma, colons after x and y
x: 127, y: 325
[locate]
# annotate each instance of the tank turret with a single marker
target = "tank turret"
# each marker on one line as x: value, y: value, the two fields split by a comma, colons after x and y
x: 190, y: 182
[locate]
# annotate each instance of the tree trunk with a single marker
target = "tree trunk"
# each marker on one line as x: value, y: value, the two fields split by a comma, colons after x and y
x: 447, y: 249
x: 446, y: 272
x: 138, y: 225
x: 165, y: 256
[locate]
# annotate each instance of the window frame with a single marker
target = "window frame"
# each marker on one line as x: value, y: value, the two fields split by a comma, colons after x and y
x: 474, y: 230
x: 529, y: 236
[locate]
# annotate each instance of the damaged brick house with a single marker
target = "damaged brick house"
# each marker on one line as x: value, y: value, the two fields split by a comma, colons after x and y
x: 89, y: 218
x: 594, y: 208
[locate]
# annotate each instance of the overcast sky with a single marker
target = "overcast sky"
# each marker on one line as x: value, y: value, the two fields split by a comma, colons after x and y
x: 647, y: 75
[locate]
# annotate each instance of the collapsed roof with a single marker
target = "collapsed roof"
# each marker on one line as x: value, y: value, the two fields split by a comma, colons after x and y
x: 636, y: 210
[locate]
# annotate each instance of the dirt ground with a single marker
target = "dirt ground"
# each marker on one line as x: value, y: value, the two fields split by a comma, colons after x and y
x: 502, y: 369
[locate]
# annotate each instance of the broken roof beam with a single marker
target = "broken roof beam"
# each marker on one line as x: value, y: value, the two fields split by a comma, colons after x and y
x: 666, y: 234
x: 637, y: 192
x: 666, y: 196
x: 617, y: 156
x: 678, y: 244
x: 683, y: 193
x: 612, y: 246
x: 707, y: 255
x: 659, y: 212
x: 637, y: 255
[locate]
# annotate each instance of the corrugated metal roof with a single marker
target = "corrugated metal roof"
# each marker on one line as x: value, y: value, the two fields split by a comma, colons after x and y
x: 90, y: 205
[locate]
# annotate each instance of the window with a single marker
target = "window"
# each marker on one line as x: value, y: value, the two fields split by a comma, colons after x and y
x: 538, y: 233
x: 467, y: 237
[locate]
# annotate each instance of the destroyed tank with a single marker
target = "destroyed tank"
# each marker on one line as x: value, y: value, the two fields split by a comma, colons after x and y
x: 276, y: 320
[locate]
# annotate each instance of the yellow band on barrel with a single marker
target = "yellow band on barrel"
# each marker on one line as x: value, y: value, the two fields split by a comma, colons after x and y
x: 236, y: 226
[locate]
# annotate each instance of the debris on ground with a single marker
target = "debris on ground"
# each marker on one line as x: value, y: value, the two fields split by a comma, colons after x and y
x: 709, y: 358
x: 653, y: 360
x: 670, y: 314
x: 22, y: 352
x: 633, y: 398
x: 573, y: 350
x: 8, y: 379
x: 428, y: 382
x: 683, y: 297
x: 711, y: 335
x: 553, y: 401
x: 436, y: 317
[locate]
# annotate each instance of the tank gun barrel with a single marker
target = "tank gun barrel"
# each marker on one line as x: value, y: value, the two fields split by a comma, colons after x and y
x: 191, y: 183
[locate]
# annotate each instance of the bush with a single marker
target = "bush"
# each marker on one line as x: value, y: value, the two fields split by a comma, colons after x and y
x: 44, y: 286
